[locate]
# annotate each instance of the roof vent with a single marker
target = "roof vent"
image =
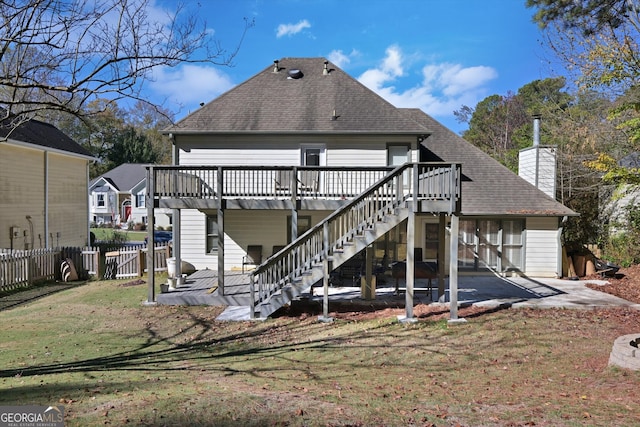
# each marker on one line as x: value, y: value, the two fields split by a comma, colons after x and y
x: 295, y: 73
x: 276, y: 68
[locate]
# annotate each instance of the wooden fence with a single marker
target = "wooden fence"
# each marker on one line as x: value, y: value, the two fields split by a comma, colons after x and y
x: 24, y: 268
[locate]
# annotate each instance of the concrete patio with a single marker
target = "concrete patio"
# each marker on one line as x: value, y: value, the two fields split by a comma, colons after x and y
x: 200, y: 288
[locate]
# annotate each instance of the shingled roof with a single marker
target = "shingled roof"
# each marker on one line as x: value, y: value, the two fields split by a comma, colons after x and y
x: 297, y: 96
x: 42, y: 134
x: 125, y: 176
x: 312, y: 101
x: 488, y: 187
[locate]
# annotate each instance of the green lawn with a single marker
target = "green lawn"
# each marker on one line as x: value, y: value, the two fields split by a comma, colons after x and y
x: 107, y: 234
x: 109, y: 360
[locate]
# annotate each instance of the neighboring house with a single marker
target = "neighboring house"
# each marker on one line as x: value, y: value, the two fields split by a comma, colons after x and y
x: 44, y: 176
x: 301, y: 141
x: 118, y: 198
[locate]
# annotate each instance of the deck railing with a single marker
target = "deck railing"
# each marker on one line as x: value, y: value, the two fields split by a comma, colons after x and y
x: 269, y: 182
x: 432, y: 181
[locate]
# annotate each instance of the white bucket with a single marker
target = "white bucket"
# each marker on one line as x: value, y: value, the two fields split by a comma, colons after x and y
x: 171, y: 267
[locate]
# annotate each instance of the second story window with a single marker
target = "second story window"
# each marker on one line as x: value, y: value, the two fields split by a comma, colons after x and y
x: 100, y: 200
x: 140, y: 200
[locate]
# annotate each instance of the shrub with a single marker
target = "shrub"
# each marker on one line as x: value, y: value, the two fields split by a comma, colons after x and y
x: 113, y: 241
x: 623, y: 247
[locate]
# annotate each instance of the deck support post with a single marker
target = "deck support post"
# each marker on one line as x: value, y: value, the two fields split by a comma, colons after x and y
x: 453, y: 271
x: 220, y: 225
x: 411, y: 244
x: 368, y: 288
x: 442, y: 247
x: 325, y: 275
x: 252, y: 297
x: 176, y: 241
x: 294, y: 204
x: 151, y: 259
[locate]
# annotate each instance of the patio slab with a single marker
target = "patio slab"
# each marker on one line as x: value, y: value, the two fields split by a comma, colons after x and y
x: 482, y: 290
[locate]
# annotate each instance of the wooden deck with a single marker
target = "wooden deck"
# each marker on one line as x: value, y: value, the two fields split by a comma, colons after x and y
x: 201, y: 288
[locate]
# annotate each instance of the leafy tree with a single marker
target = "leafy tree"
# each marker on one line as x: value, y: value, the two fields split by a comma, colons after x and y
x: 598, y: 40
x: 588, y: 16
x: 60, y: 55
x: 502, y: 125
x: 131, y: 146
x: 574, y: 123
x: 150, y: 121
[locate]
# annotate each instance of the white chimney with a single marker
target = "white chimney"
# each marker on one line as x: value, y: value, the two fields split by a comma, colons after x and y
x: 537, y: 164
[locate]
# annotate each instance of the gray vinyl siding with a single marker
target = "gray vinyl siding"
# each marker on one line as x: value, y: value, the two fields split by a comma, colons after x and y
x: 267, y: 228
x: 285, y: 150
x: 541, y: 243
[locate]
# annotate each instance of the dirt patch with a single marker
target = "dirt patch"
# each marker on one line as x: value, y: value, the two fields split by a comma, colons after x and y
x: 626, y: 284
x: 133, y: 283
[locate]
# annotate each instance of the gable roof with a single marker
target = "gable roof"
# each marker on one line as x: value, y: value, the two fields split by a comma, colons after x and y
x: 488, y: 187
x: 316, y: 102
x: 35, y: 132
x: 124, y: 177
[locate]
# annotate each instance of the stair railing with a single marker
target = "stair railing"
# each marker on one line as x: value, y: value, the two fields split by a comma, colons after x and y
x: 360, y: 214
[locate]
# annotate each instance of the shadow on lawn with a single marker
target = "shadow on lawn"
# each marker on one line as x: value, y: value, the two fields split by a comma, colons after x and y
x: 22, y: 296
x: 159, y: 353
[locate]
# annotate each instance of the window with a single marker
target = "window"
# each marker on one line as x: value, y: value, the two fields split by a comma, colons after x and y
x: 467, y: 244
x: 430, y: 251
x: 398, y: 154
x: 140, y: 200
x: 488, y: 243
x: 512, y: 248
x: 304, y: 224
x: 212, y: 235
x: 100, y: 200
x: 311, y: 156
x: 491, y: 244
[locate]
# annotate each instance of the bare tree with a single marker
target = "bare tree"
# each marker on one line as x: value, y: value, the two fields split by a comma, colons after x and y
x: 58, y: 55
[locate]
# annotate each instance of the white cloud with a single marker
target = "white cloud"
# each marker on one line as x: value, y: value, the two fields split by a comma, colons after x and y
x: 342, y: 59
x: 444, y: 87
x: 189, y: 85
x: 339, y: 58
x: 291, y: 29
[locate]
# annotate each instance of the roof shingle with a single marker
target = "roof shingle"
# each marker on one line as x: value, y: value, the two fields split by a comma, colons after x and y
x: 43, y: 134
x: 488, y: 187
x: 273, y: 102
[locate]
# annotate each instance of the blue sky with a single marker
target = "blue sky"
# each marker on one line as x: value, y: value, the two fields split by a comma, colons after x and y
x: 436, y: 55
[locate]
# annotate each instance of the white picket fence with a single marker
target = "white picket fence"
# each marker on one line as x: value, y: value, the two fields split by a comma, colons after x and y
x: 19, y: 268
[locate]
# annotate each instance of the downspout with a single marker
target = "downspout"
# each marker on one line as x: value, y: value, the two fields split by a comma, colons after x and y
x: 47, y: 243
x: 88, y: 207
x: 175, y: 215
x: 560, y: 260
x: 151, y: 264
